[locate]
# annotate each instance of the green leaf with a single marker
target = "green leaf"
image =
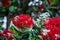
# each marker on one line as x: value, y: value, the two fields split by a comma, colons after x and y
x: 0, y: 27
x: 32, y: 38
x: 53, y: 2
x: 14, y: 30
x: 13, y: 0
x: 3, y: 38
x: 12, y: 8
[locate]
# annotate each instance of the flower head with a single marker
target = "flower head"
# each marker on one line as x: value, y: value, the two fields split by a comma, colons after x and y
x: 41, y: 7
x: 6, y: 3
x: 53, y: 25
x: 23, y: 21
x: 7, y: 34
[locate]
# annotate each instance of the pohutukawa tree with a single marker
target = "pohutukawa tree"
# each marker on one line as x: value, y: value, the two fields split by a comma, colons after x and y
x: 30, y: 19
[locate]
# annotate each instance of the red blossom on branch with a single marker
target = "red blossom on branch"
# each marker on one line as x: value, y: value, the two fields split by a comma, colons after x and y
x: 7, y: 34
x: 22, y: 21
x: 41, y: 7
x: 6, y: 3
x: 53, y: 25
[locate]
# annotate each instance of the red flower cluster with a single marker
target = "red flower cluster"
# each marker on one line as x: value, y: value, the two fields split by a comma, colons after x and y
x: 22, y: 21
x: 41, y: 7
x: 6, y: 3
x: 45, y: 37
x: 53, y: 25
x: 7, y: 34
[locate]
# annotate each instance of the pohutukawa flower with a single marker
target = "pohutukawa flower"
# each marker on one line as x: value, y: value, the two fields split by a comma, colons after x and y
x: 7, y: 34
x: 23, y: 21
x: 6, y: 3
x: 53, y: 25
x: 41, y: 7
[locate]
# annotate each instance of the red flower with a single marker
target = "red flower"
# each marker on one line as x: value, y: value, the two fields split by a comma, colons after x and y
x: 41, y: 7
x: 1, y: 34
x: 46, y: 37
x: 6, y: 3
x: 7, y: 34
x: 53, y: 25
x: 22, y: 21
x: 54, y: 5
